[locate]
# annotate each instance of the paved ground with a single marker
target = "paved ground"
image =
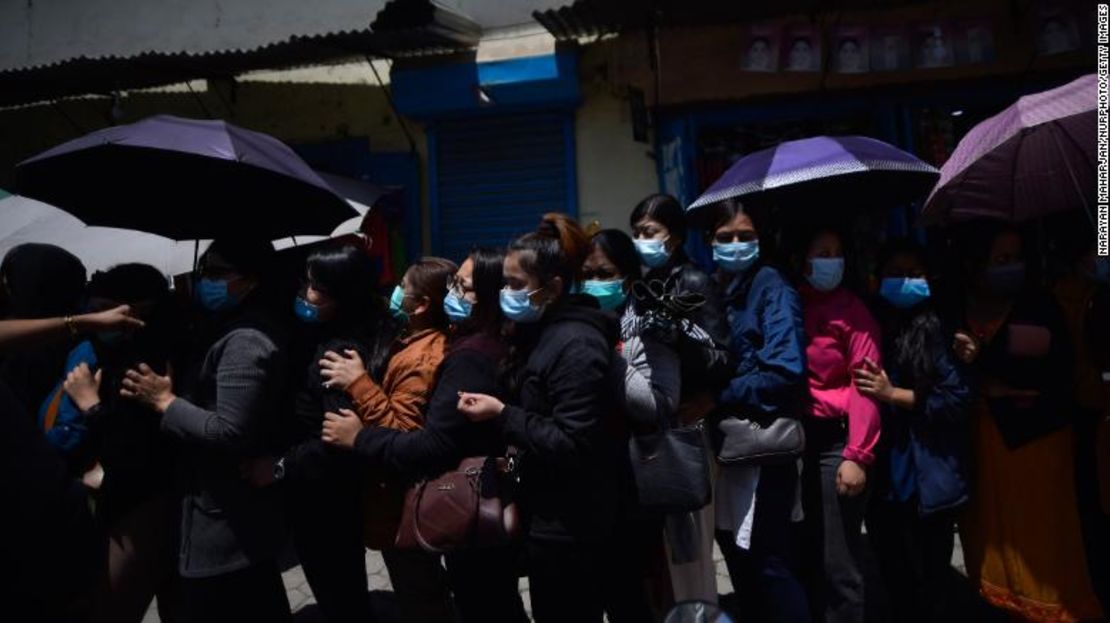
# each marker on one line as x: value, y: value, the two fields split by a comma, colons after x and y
x: 303, y: 603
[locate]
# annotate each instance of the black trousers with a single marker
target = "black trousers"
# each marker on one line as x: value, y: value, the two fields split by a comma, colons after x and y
x: 566, y: 581
x: 486, y: 585
x: 834, y: 528
x: 915, y: 559
x: 327, y: 535
x: 633, y: 555
x: 764, y: 576
x: 252, y: 594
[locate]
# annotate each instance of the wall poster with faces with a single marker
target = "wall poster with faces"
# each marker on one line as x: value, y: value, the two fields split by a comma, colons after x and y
x: 933, y: 45
x: 890, y: 48
x: 760, y: 46
x: 849, y: 50
x: 974, y: 42
x: 1055, y: 28
x: 801, y: 48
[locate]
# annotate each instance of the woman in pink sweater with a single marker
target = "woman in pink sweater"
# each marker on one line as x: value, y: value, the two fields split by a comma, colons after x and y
x: 842, y: 429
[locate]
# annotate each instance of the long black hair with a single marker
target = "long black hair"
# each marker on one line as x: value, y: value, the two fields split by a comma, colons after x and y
x: 489, y: 279
x: 347, y: 275
x: 621, y: 251
x: 666, y: 210
x: 914, y: 337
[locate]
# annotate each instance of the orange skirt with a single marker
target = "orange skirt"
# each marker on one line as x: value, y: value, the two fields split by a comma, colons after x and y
x: 1021, y: 531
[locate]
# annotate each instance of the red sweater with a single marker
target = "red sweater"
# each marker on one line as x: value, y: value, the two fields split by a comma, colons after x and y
x: 840, y: 333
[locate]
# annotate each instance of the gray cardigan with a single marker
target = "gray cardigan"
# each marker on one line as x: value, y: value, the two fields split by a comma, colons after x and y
x: 652, y: 376
x: 226, y: 524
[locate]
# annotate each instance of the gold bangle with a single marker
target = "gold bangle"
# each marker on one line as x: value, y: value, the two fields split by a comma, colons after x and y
x: 71, y: 325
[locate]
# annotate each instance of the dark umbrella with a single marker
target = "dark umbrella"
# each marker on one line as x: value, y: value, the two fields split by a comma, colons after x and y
x: 1034, y: 158
x: 184, y: 179
x: 806, y: 174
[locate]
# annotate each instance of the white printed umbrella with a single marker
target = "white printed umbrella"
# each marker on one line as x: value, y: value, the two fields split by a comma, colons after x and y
x: 24, y: 220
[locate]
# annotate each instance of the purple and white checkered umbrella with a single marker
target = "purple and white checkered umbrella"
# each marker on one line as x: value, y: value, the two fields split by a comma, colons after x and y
x: 1035, y: 158
x: 811, y: 172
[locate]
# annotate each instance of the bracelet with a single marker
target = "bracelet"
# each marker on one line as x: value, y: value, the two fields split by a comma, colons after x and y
x: 71, y: 325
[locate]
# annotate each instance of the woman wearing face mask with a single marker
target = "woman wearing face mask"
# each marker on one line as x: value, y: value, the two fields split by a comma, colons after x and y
x: 768, y: 345
x: 920, y: 476
x: 117, y: 444
x: 484, y: 582
x: 230, y: 531
x: 1021, y: 532
x: 842, y: 429
x: 398, y: 402
x: 639, y: 586
x: 337, y: 311
x: 560, y: 390
x: 659, y: 232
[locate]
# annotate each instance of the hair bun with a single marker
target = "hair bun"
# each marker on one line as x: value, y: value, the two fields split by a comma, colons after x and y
x: 548, y: 228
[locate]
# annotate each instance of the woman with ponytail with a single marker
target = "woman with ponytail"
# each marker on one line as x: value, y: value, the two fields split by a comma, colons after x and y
x: 560, y: 387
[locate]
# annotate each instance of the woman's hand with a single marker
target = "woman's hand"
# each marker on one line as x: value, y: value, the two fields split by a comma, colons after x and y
x: 871, y: 380
x: 479, y: 407
x: 148, y: 387
x: 965, y: 347
x: 341, y: 429
x: 115, y: 319
x: 851, y: 478
x: 83, y: 387
x: 341, y: 371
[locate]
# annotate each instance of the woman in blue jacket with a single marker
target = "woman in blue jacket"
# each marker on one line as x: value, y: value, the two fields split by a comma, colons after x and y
x: 920, y: 473
x: 755, y: 505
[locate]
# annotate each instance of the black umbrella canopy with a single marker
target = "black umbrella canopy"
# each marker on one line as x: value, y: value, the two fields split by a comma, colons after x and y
x: 185, y: 179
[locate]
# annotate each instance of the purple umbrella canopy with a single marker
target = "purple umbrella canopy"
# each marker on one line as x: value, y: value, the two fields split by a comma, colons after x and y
x: 809, y: 173
x: 184, y: 179
x: 1034, y: 158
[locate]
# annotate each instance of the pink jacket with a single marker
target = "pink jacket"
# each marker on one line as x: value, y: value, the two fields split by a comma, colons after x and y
x: 840, y: 333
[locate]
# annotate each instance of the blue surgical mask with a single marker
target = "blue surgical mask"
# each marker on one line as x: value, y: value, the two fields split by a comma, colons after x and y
x: 1006, y: 279
x: 736, y: 257
x: 305, y: 311
x: 904, y: 293
x: 396, y: 302
x: 609, y: 294
x: 653, y: 253
x: 517, y: 306
x: 214, y: 296
x: 826, y: 273
x: 456, y: 307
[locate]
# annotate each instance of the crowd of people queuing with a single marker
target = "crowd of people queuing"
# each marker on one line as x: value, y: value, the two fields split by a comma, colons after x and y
x: 169, y: 443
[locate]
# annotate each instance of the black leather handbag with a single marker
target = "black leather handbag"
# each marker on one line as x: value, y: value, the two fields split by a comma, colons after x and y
x: 671, y: 468
x: 763, y: 441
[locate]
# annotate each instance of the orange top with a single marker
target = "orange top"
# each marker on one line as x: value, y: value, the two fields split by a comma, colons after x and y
x: 399, y: 401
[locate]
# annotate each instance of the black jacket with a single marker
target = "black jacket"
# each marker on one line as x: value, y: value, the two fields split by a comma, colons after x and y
x: 471, y: 365
x: 704, y: 367
x: 564, y: 390
x: 309, y: 460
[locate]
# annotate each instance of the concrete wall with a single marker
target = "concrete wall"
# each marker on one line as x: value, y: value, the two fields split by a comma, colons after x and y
x: 614, y: 171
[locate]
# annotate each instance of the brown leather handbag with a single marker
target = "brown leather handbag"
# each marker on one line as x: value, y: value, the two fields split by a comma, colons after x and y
x: 472, y: 506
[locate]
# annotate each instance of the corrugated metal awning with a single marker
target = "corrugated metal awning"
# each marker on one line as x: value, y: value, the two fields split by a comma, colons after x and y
x: 593, y: 18
x: 401, y: 28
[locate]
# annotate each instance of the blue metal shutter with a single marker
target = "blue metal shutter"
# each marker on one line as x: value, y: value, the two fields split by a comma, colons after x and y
x: 493, y: 177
